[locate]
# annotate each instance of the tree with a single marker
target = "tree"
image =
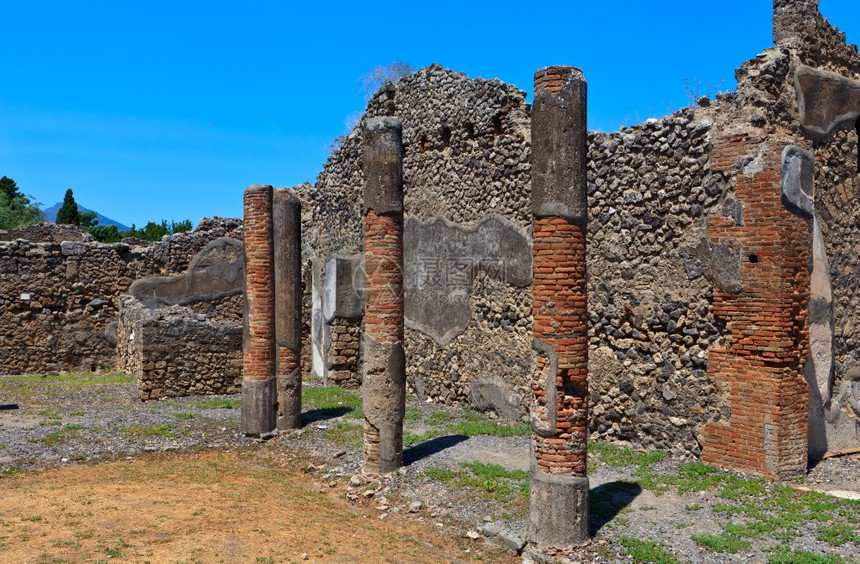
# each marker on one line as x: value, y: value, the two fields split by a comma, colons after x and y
x: 68, y: 212
x: 16, y: 209
x: 8, y: 187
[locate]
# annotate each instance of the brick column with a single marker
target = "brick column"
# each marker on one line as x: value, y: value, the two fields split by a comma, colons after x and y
x: 766, y: 431
x: 287, y: 227
x: 383, y: 362
x: 258, y: 364
x: 559, y: 407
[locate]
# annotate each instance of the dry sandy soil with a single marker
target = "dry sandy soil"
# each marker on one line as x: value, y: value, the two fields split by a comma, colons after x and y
x: 248, y: 505
x: 90, y: 474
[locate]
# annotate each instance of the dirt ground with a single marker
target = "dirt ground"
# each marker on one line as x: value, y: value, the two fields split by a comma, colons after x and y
x: 246, y: 505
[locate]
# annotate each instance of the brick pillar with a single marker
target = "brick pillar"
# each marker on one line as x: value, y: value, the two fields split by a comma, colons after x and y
x: 287, y: 226
x: 559, y: 406
x: 383, y: 362
x: 258, y: 364
x: 759, y: 367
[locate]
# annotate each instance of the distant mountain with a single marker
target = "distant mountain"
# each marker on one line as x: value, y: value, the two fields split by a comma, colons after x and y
x: 51, y: 213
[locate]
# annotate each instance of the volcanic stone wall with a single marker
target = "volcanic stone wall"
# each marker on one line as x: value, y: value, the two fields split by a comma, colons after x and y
x: 466, y: 156
x: 59, y: 298
x: 176, y: 352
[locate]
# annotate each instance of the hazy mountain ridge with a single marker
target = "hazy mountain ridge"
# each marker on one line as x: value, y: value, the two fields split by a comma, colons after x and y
x: 51, y: 214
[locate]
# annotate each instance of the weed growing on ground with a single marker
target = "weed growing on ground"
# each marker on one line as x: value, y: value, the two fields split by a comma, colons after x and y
x: 137, y: 432
x: 490, y: 481
x: 81, y: 378
x: 344, y: 434
x: 61, y: 436
x: 647, y: 551
x: 726, y: 541
x: 782, y: 554
x: 838, y: 534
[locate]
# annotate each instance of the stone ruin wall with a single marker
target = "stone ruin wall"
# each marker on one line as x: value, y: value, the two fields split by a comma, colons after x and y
x: 655, y: 194
x: 457, y: 132
x: 176, y: 352
x: 59, y: 297
x: 650, y: 190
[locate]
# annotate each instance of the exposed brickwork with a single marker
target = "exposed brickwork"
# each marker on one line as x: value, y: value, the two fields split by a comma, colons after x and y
x: 767, y: 430
x: 560, y: 321
x: 383, y: 255
x: 383, y: 323
x: 259, y: 356
x: 551, y: 78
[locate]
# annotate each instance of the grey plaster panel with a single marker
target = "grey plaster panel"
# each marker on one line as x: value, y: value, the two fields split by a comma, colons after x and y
x: 441, y: 260
x: 216, y: 271
x: 343, y: 287
x: 798, y: 174
x: 719, y: 263
x: 825, y: 100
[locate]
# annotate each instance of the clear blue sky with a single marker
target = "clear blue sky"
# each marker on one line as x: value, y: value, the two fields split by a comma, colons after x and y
x: 168, y: 110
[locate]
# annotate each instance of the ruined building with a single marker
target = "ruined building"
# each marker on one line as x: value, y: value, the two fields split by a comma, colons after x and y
x: 721, y: 291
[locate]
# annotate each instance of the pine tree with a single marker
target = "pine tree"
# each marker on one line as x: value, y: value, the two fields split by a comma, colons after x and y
x: 8, y: 187
x: 68, y: 212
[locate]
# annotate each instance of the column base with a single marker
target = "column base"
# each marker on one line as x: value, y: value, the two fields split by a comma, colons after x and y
x: 259, y: 413
x: 558, y: 510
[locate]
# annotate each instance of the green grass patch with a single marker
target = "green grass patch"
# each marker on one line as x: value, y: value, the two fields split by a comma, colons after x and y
x: 782, y: 554
x: 345, y: 434
x: 80, y: 378
x: 61, y: 436
x: 333, y: 401
x: 838, y: 534
x: 723, y: 542
x: 490, y: 481
x: 647, y: 551
x: 136, y: 432
x: 439, y: 418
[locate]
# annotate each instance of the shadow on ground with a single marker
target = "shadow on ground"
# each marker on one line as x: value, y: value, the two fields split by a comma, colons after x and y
x: 431, y: 447
x: 324, y: 413
x: 609, y: 499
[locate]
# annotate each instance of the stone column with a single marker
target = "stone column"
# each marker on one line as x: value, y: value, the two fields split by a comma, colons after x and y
x: 383, y: 362
x: 559, y: 406
x: 259, y: 394
x: 287, y: 227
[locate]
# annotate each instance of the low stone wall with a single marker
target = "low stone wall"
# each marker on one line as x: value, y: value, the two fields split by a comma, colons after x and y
x: 57, y: 299
x: 176, y: 352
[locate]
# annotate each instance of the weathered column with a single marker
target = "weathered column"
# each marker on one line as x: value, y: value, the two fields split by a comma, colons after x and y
x: 287, y: 227
x: 258, y: 364
x: 383, y: 362
x: 559, y: 406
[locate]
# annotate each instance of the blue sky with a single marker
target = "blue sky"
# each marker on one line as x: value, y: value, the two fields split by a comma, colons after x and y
x: 168, y: 110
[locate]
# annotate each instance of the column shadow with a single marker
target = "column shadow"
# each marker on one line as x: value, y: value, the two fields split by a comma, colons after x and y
x: 431, y: 447
x: 607, y: 500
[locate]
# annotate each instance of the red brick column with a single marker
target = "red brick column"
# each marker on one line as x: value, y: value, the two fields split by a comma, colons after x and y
x: 766, y: 432
x: 258, y: 364
x: 559, y: 406
x: 383, y: 362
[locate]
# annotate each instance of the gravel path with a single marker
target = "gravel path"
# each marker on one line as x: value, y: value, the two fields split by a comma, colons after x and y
x: 58, y: 422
